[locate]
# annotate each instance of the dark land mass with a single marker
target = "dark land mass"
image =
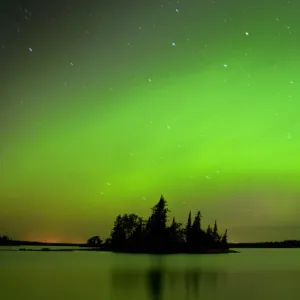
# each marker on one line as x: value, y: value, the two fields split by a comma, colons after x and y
x: 15, y: 243
x: 133, y: 234
x: 136, y: 235
x: 10, y: 242
x: 279, y: 244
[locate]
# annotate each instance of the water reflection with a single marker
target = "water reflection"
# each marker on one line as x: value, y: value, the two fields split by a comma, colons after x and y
x: 160, y: 282
x: 155, y: 284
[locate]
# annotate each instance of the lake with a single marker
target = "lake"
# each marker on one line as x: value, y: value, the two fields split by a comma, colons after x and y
x: 252, y: 274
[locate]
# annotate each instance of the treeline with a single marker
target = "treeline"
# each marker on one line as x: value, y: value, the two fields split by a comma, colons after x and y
x: 132, y: 233
x: 4, y: 239
x: 278, y: 244
x: 8, y: 241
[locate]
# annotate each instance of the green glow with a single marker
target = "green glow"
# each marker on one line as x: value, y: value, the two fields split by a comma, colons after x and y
x: 203, y: 134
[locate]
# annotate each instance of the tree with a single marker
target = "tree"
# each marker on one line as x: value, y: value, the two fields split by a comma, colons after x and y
x: 138, y: 235
x: 159, y: 215
x: 132, y: 233
x: 130, y: 223
x: 118, y: 236
x: 158, y: 225
x: 197, y: 234
x: 188, y: 229
x: 5, y: 239
x: 107, y: 242
x: 175, y: 234
x: 215, y: 233
x: 224, y: 243
x: 209, y: 238
x: 94, y: 241
x: 124, y: 230
x: 196, y: 227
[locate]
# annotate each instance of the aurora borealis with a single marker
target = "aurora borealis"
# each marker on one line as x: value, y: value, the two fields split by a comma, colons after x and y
x: 105, y: 105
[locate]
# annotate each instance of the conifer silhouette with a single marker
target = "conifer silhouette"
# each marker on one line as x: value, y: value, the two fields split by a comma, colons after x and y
x: 132, y: 233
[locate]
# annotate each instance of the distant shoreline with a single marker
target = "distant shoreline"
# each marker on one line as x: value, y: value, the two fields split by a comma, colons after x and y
x: 283, y: 244
x: 105, y: 250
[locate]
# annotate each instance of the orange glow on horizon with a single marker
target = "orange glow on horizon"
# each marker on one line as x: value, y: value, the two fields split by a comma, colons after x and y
x: 50, y: 239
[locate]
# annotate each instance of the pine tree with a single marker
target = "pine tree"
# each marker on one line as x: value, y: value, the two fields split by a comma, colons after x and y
x: 224, y: 243
x: 188, y: 229
x: 209, y: 230
x: 148, y: 225
x: 173, y: 223
x: 215, y: 233
x: 196, y: 232
x: 196, y: 227
x: 137, y: 237
x: 209, y: 243
x: 159, y: 215
x: 118, y: 235
x: 132, y: 233
x: 158, y: 224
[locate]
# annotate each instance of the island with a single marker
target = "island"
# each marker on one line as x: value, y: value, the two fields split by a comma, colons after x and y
x: 134, y: 234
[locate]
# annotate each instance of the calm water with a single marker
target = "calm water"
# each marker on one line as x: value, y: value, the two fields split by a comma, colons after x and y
x: 252, y: 274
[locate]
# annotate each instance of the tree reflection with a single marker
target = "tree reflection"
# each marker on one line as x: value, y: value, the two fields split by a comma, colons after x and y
x: 155, y: 284
x: 160, y: 283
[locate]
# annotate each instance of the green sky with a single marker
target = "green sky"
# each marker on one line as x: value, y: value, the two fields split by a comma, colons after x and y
x: 104, y: 109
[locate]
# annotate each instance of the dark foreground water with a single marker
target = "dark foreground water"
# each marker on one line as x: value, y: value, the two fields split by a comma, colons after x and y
x: 252, y: 274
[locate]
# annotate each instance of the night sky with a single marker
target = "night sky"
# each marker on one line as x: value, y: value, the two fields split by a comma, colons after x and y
x: 106, y: 105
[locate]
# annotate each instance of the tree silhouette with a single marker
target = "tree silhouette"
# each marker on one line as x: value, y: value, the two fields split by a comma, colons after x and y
x: 159, y: 215
x: 176, y: 235
x: 5, y: 240
x: 158, y: 224
x: 224, y: 243
x: 132, y: 233
x: 188, y: 229
x: 209, y: 237
x: 215, y: 233
x: 94, y: 241
x: 196, y: 237
x: 118, y: 236
x: 137, y: 236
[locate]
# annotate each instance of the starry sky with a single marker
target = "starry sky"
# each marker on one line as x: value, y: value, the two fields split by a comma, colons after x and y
x: 106, y: 105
